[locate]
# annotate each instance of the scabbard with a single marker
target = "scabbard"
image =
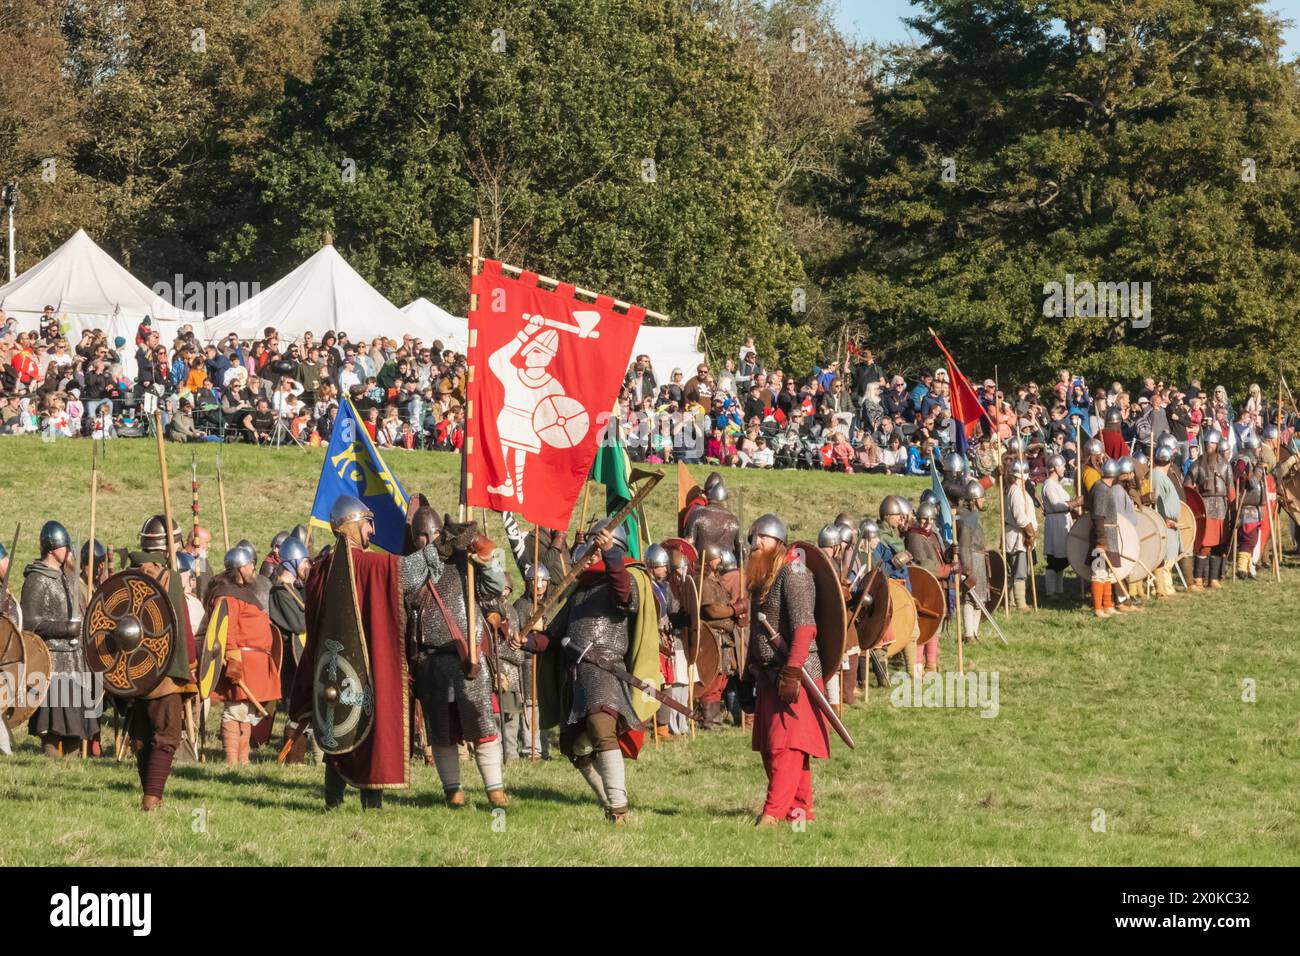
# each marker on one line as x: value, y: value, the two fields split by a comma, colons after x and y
x: 628, y: 678
x: 814, y: 692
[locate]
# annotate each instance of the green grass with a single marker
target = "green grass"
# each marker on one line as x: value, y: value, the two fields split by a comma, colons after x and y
x: 1141, y: 717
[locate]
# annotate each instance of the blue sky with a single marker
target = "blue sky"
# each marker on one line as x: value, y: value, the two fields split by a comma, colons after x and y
x: 880, y: 20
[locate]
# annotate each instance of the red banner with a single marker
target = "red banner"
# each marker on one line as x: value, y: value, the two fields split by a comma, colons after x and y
x: 545, y: 369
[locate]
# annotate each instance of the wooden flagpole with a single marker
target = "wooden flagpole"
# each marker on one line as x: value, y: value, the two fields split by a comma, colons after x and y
x: 94, y: 498
x: 533, y: 754
x: 221, y: 497
x: 476, y: 261
x: 171, y: 553
x: 465, y: 449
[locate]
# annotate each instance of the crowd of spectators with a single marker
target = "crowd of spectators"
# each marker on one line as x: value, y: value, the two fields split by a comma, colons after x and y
x: 411, y: 395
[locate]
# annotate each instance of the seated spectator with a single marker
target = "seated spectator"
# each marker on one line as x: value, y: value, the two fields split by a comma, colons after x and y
x: 182, y: 427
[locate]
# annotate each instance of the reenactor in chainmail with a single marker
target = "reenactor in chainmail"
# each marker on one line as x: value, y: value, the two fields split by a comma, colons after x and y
x: 537, y: 582
x: 595, y: 626
x: 892, y: 557
x: 1249, y: 475
x: 955, y: 473
x: 1212, y: 477
x: 51, y: 609
x: 972, y: 559
x: 718, y: 609
x: 850, y: 561
x: 712, y: 523
x: 788, y: 730
x: 833, y: 542
x: 1128, y: 496
x: 456, y: 696
x: 928, y: 551
x: 1105, y: 554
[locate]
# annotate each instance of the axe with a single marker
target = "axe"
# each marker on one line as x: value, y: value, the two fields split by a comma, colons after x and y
x: 586, y: 328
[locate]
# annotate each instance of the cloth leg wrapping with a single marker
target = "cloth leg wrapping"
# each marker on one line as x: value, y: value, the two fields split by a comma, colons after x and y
x: 230, y: 740
x: 609, y: 764
x: 488, y: 756
x: 587, y: 767
x: 971, y: 620
x: 162, y: 733
x: 245, y: 741
x: 1108, y: 594
x: 446, y: 758
x: 1098, y: 596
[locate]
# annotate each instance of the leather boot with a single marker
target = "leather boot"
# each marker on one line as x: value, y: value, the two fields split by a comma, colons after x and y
x: 372, y: 799
x: 1216, y: 571
x: 1243, y: 566
x: 334, y: 788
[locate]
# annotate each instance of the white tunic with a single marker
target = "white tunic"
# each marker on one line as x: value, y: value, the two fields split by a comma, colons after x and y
x: 1056, y: 519
x: 1020, y: 512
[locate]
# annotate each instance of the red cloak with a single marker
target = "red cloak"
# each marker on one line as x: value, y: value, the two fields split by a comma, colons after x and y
x: 380, y: 761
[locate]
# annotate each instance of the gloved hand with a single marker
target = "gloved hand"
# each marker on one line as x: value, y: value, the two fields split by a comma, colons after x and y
x: 787, y: 684
x: 234, y: 670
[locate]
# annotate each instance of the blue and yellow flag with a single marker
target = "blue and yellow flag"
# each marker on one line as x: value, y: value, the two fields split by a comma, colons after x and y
x: 353, y: 467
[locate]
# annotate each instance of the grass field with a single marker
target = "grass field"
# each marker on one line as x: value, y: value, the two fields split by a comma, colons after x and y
x: 1168, y: 737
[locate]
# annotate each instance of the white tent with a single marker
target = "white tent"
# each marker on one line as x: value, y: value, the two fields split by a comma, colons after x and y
x: 431, y: 322
x: 321, y: 295
x: 668, y: 348
x: 89, y: 290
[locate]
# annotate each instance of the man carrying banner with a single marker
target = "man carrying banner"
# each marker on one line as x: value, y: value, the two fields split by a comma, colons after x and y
x: 608, y: 622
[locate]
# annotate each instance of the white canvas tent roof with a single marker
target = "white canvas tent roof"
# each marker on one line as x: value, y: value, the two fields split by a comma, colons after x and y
x: 89, y: 290
x: 668, y: 348
x: 323, y: 294
x: 431, y: 322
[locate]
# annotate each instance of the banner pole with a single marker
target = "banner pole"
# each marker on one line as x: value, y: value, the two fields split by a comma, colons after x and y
x: 474, y: 261
x: 532, y: 724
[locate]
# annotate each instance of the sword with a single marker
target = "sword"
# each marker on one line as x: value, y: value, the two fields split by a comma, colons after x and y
x: 810, y: 685
x: 580, y: 657
x: 987, y: 616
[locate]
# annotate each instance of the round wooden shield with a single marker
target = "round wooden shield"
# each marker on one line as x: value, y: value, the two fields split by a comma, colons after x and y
x: 871, y: 612
x: 343, y: 690
x: 13, y: 670
x: 832, y: 620
x: 129, y: 669
x: 212, y: 647
x: 997, y: 572
x: 931, y: 601
x: 708, y: 658
x: 1151, y: 543
x: 904, y: 617
x: 35, y: 681
x: 1288, y: 486
x: 1193, y: 499
x: 1078, y: 546
x: 1186, y: 530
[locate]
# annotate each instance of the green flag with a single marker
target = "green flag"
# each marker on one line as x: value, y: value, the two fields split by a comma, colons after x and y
x: 612, y: 469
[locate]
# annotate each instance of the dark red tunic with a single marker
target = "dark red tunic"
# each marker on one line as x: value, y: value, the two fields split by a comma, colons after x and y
x: 380, y: 761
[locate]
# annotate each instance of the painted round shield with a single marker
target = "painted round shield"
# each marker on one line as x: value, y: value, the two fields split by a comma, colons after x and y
x: 688, y: 600
x: 128, y: 633
x: 997, y: 571
x: 1151, y: 543
x: 33, y: 683
x: 1193, y: 499
x: 1078, y: 546
x: 343, y: 692
x: 904, y: 617
x: 560, y: 421
x: 930, y: 599
x: 212, y: 647
x: 871, y: 611
x: 1288, y: 486
x: 13, y: 670
x: 1186, y: 530
x: 829, y: 612
x: 708, y: 658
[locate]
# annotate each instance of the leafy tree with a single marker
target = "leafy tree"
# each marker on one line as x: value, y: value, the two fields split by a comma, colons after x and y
x: 1123, y: 161
x: 617, y: 145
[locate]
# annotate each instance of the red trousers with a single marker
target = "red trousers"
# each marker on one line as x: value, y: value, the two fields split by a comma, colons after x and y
x: 789, y: 785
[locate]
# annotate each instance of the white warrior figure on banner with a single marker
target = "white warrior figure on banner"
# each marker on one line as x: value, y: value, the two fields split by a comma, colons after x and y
x: 535, y: 409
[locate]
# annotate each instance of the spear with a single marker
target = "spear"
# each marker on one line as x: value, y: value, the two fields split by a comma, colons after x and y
x: 194, y: 488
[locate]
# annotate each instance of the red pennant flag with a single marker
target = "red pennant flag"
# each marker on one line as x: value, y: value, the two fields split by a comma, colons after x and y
x: 545, y: 369
x: 965, y: 401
